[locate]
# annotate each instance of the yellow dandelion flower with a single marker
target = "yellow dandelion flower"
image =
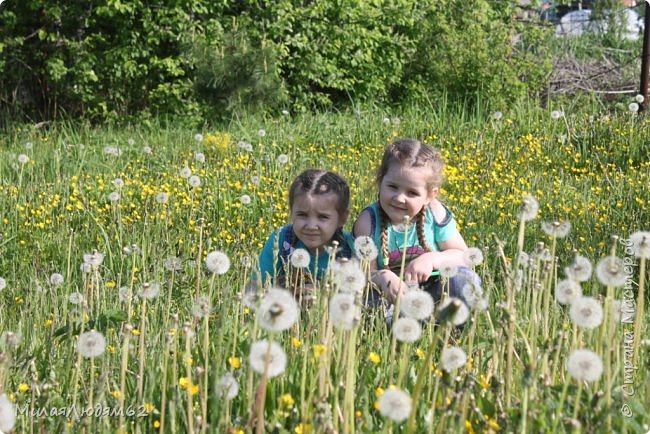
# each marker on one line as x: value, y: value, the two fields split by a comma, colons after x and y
x: 149, y: 407
x: 303, y: 428
x: 492, y: 423
x: 234, y: 362
x: 110, y: 284
x: 286, y: 401
x: 376, y: 405
x: 358, y: 413
x: 319, y: 350
x: 484, y: 381
x: 194, y: 389
x: 295, y: 343
x: 378, y: 392
x: 374, y: 358
x: 183, y: 382
x: 156, y: 424
x: 116, y: 394
x: 48, y: 323
x: 135, y: 332
x: 23, y: 387
x: 468, y: 427
x: 419, y: 353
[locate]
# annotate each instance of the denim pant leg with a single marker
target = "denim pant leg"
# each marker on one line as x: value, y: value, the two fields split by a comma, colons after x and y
x: 463, y: 277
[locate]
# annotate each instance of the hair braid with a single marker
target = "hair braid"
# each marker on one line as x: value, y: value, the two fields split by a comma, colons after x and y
x: 384, y: 221
x: 419, y: 226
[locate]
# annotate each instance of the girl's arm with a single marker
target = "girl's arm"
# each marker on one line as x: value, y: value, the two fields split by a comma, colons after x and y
x: 386, y: 280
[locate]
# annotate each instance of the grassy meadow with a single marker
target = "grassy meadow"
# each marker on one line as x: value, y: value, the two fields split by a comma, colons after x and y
x: 108, y: 229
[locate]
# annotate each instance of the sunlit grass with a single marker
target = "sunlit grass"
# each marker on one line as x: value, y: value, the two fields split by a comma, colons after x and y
x: 70, y: 195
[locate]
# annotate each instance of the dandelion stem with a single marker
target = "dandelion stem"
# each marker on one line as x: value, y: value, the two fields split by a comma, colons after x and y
x: 640, y: 302
x: 163, y: 387
x: 141, y: 349
x: 188, y: 368
x: 123, y: 368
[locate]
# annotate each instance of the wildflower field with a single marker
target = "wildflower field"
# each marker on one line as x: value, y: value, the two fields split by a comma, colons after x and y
x: 125, y: 254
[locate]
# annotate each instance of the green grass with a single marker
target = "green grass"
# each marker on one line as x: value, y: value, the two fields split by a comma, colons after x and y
x: 589, y: 168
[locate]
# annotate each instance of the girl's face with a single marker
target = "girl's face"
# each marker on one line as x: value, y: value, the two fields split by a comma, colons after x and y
x: 404, y: 191
x: 315, y: 219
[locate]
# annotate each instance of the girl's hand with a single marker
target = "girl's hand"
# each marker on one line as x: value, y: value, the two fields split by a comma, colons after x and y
x: 420, y: 268
x: 390, y: 284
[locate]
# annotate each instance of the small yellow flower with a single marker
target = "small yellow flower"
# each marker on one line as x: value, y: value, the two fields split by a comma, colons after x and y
x: 110, y: 284
x: 23, y: 387
x: 419, y: 353
x: 468, y: 427
x: 48, y: 323
x: 116, y: 394
x: 376, y: 405
x: 358, y: 413
x: 183, y: 382
x: 135, y: 332
x: 296, y: 343
x: 156, y: 424
x: 484, y: 381
x: 194, y: 389
x: 492, y: 423
x: 189, y: 360
x: 319, y: 350
x: 303, y: 428
x: 149, y: 407
x: 286, y: 401
x: 374, y: 358
x: 234, y: 362
x: 111, y: 349
x: 378, y: 392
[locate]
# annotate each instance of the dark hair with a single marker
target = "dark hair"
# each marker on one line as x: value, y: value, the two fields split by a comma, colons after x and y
x: 409, y: 153
x: 315, y: 181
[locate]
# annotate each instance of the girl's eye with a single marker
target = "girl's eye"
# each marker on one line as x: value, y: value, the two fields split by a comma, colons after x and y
x: 413, y: 193
x: 324, y: 217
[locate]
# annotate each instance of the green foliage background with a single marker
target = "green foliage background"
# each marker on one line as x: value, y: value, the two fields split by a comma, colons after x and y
x: 104, y: 59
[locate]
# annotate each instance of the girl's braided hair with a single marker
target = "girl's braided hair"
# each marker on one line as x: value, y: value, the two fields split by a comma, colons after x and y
x: 315, y: 182
x: 409, y: 153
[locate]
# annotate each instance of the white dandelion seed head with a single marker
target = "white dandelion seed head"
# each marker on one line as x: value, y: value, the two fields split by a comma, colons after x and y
x: 245, y: 146
x: 473, y: 256
x: 3, y: 283
x: 118, y: 183
x: 199, y: 157
x: 407, y: 329
x: 567, y: 291
x: 194, y: 181
x: 173, y: 263
x: 474, y: 297
x: 528, y: 208
x: 611, y: 271
x: 227, y: 386
x: 395, y: 404
x: 386, y: 121
x: 162, y: 198
x: 343, y: 311
x: 580, y: 269
x: 201, y: 307
x: 556, y: 229
x: 365, y: 248
x: 29, y: 145
x: 285, y: 113
x: 283, y: 158
x: 396, y: 121
x: 633, y: 107
x: 85, y: 268
x: 76, y: 298
x: 497, y: 115
x: 586, y: 312
x: 112, y: 151
x: 114, y: 196
x: 185, y: 172
x: 349, y: 276
x: 417, y: 304
x: 150, y: 290
x: 461, y: 315
x: 56, y: 279
x: 91, y: 344
x: 278, y: 310
x: 261, y: 132
x: 23, y: 159
x: 217, y: 262
x: 245, y: 199
x: 124, y: 294
x: 523, y: 260
x: 11, y: 339
x: 255, y: 180
x: 198, y: 137
x: 300, y: 258
x: 447, y: 270
x: 640, y: 241
x: 556, y: 114
x: 639, y: 98
x: 94, y: 259
x: 585, y: 365
x: 147, y: 150
x: 261, y: 356
x: 452, y: 358
x: 131, y: 142
x: 7, y: 414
